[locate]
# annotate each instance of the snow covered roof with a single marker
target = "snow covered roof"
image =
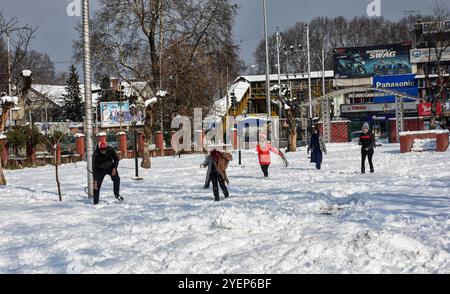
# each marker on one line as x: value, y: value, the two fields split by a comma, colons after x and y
x: 55, y: 92
x: 298, y: 76
x: 9, y: 99
x: 220, y: 106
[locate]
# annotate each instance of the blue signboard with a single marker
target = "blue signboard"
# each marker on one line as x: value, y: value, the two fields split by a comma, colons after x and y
x: 406, y: 84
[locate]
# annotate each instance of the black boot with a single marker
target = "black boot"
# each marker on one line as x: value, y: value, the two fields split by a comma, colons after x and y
x: 216, y: 199
x: 120, y: 198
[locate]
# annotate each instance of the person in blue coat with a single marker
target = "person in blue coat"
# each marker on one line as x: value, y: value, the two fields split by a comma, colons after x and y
x: 318, y: 148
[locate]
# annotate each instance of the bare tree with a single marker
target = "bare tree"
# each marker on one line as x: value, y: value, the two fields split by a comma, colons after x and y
x: 165, y: 43
x: 54, y: 141
x: 438, y: 38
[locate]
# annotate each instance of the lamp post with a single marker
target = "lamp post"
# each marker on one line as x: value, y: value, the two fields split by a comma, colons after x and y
x: 269, y: 113
x: 134, y: 119
x: 88, y: 96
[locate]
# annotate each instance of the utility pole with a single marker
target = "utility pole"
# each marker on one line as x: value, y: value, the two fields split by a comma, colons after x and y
x: 279, y: 69
x: 9, y: 62
x: 278, y: 61
x: 309, y: 73
x: 269, y: 113
x: 88, y: 96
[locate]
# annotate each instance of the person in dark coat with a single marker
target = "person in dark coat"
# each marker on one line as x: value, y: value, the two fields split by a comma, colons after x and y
x: 317, y: 145
x: 216, y: 176
x: 105, y: 162
x: 367, y: 142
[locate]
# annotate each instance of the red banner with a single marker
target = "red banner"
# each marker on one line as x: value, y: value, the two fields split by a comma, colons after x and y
x: 424, y: 109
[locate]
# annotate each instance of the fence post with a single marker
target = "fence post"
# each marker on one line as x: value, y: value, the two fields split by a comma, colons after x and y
x: 160, y: 142
x: 123, y: 148
x: 80, y: 148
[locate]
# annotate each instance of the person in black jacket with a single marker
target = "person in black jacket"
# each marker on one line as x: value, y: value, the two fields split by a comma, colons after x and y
x: 105, y: 162
x: 367, y: 142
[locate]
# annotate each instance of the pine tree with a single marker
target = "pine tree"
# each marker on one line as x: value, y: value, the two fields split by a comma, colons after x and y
x: 73, y: 108
x: 106, y: 93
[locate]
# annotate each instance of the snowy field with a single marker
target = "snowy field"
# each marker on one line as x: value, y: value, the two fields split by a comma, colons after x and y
x: 300, y: 220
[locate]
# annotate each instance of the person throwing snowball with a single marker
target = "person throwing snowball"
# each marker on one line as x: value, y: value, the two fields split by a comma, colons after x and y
x: 105, y: 162
x: 263, y: 149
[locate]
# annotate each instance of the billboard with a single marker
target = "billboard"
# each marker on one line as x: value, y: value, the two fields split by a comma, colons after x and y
x: 406, y: 84
x: 429, y: 55
x: 424, y: 109
x: 363, y: 62
x: 117, y: 114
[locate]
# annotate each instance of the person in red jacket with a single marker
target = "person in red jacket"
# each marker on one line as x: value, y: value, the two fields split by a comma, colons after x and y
x: 264, y: 148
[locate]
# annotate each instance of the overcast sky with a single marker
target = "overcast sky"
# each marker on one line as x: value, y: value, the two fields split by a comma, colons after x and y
x: 56, y: 30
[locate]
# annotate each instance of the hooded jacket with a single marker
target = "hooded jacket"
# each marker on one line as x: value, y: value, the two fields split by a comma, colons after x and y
x: 264, y: 153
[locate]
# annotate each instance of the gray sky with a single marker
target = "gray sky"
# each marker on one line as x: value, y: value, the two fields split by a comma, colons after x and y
x: 56, y: 30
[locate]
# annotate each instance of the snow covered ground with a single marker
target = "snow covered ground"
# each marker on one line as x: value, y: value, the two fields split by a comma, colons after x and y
x: 300, y: 220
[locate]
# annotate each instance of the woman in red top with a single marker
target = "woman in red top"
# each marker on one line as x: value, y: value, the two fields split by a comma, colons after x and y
x: 264, y: 148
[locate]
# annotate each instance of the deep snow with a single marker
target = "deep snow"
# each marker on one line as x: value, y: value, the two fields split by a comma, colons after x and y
x: 300, y: 220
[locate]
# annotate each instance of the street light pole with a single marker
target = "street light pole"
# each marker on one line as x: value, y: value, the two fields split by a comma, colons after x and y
x: 278, y: 60
x: 88, y: 96
x: 9, y: 63
x: 309, y: 73
x: 267, y: 69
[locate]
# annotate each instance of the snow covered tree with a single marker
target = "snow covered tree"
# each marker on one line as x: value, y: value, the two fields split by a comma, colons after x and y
x: 291, y: 108
x: 73, y: 108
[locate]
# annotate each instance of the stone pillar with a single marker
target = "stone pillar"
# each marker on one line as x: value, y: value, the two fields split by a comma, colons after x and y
x: 160, y: 142
x: 406, y: 142
x: 123, y: 148
x: 79, y: 147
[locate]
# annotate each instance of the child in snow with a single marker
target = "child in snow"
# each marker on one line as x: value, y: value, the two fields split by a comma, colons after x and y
x: 263, y: 149
x: 317, y: 145
x: 217, y: 163
x: 367, y: 142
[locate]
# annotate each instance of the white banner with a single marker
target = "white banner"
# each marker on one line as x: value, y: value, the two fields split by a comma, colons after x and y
x: 375, y: 107
x: 428, y: 55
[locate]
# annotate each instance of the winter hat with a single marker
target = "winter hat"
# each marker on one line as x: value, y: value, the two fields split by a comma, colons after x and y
x: 102, y: 145
x: 215, y: 154
x: 365, y: 126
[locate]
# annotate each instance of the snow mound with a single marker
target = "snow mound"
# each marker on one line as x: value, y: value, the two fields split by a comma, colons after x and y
x: 424, y: 145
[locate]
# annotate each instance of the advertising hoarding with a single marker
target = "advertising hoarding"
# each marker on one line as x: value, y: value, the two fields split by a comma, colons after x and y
x: 117, y: 114
x: 424, y: 109
x: 406, y: 84
x: 428, y: 55
x: 361, y: 62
